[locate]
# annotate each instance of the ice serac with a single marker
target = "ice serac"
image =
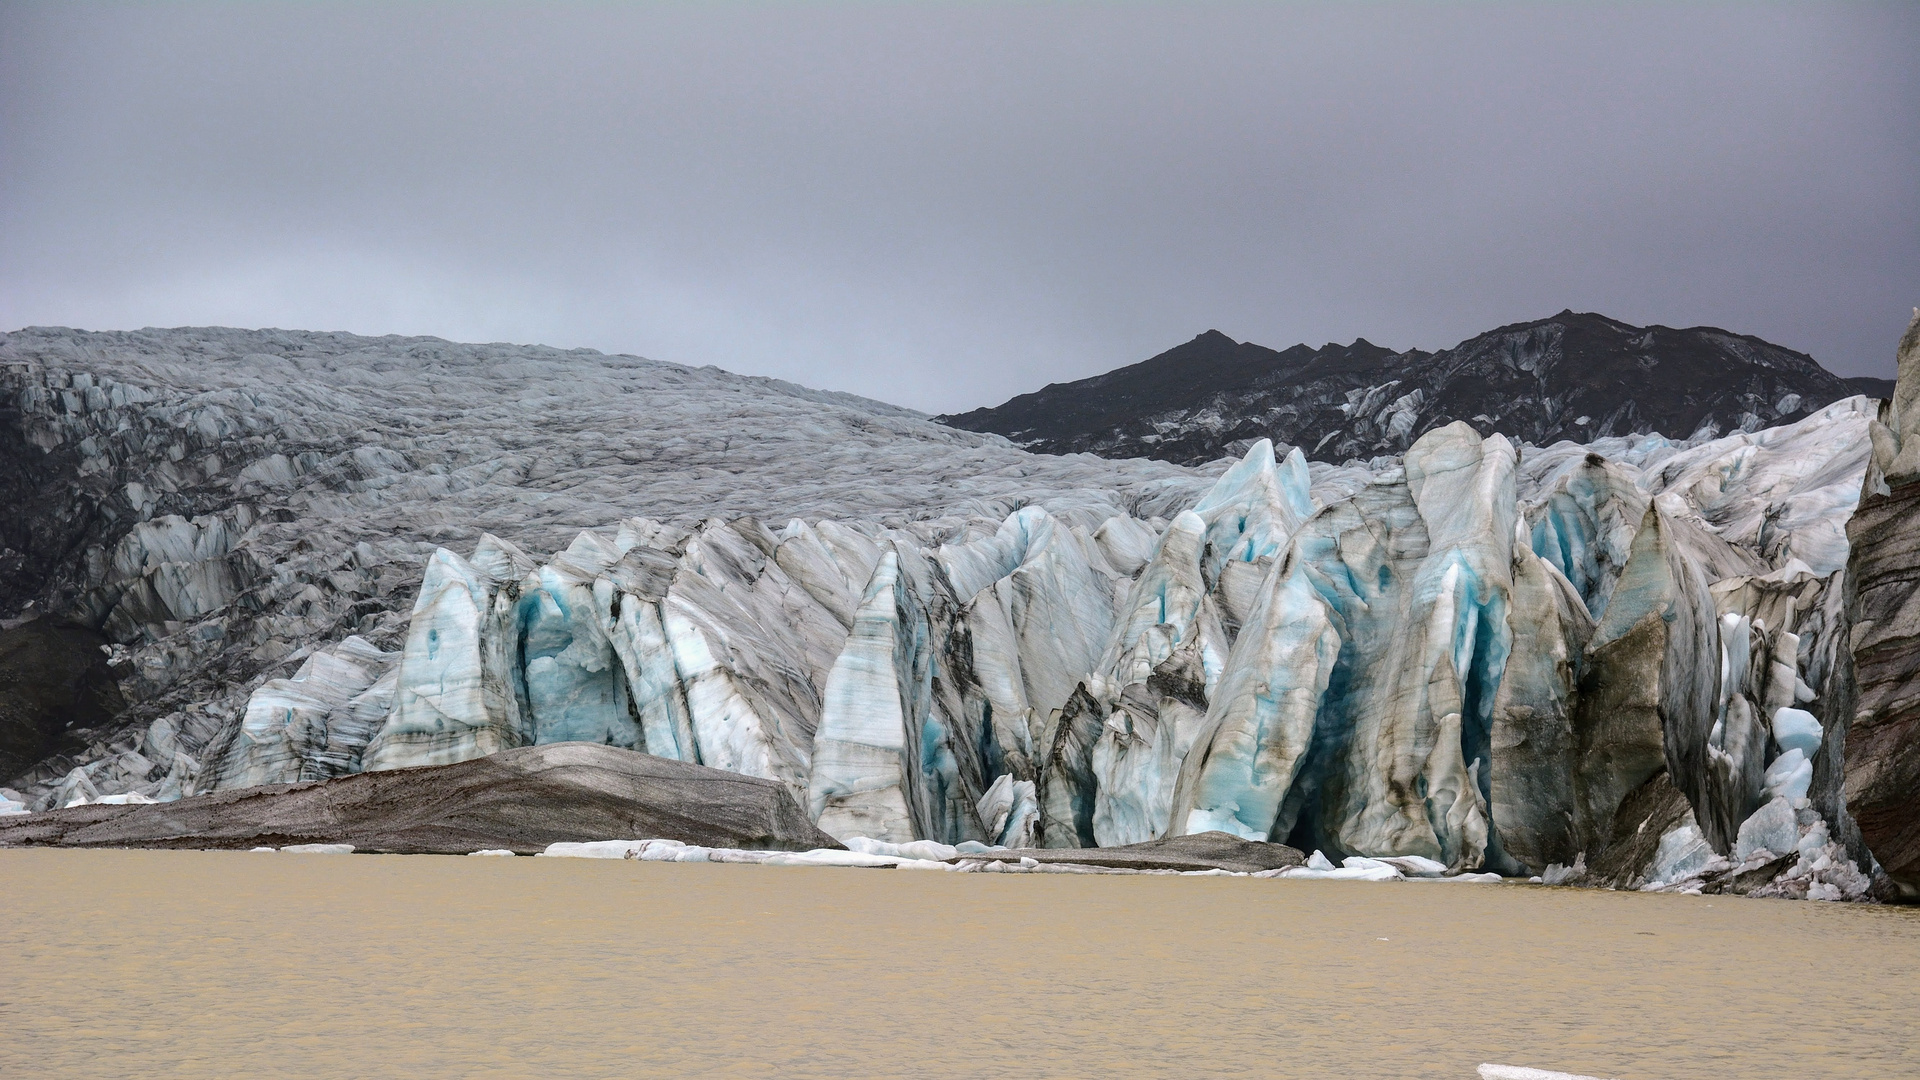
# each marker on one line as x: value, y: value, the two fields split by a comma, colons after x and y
x: 1360, y: 554
x: 1583, y: 517
x: 1417, y: 766
x: 1010, y: 812
x: 1883, y: 745
x: 630, y: 597
x: 454, y: 695
x: 315, y: 725
x: 750, y: 652
x: 1254, y: 507
x: 1648, y: 687
x: 1532, y: 795
x: 1260, y: 723
x: 1067, y: 787
x: 861, y: 782
x: 1116, y: 754
x: 892, y: 757
x: 693, y: 645
x: 566, y: 656
x: 1037, y: 613
x: 1370, y: 692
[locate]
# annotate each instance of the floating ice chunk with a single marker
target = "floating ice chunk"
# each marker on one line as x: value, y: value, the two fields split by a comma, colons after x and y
x: 652, y: 850
x: 317, y: 849
x: 738, y: 855
x: 1519, y: 1072
x: 830, y: 857
x: 1412, y: 865
x: 916, y: 849
x: 598, y: 849
x: 490, y: 851
x: 1381, y: 872
x: 671, y: 851
x: 1789, y: 777
x: 1560, y: 874
x: 1796, y: 729
x: 1320, y: 868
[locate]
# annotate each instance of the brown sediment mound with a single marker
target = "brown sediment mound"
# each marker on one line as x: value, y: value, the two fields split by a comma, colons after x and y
x: 520, y: 800
x: 1200, y: 851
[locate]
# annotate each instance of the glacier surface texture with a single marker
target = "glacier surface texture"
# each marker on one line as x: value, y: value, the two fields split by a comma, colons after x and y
x: 314, y: 555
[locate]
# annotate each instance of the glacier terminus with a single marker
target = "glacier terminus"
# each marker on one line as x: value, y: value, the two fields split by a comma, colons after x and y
x: 1631, y: 662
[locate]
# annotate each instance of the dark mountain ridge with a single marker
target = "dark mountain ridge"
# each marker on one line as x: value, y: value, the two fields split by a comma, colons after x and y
x: 1577, y: 376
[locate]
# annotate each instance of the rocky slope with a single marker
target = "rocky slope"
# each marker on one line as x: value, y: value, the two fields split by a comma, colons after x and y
x: 1572, y: 376
x: 1623, y: 662
x: 1883, y: 774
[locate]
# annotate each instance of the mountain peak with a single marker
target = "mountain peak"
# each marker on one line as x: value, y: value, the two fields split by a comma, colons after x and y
x: 1594, y: 378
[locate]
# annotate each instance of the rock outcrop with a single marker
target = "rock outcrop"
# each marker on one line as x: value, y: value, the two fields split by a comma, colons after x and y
x: 518, y: 800
x: 56, y: 686
x: 1882, y: 749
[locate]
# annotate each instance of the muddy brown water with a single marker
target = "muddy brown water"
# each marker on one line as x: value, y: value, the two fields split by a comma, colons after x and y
x: 227, y: 964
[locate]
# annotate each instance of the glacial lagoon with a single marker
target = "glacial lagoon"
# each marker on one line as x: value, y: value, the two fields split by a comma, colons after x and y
x: 229, y: 964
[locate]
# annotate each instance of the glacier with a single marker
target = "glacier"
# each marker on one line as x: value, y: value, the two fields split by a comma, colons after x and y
x: 1474, y: 657
x: 1390, y: 673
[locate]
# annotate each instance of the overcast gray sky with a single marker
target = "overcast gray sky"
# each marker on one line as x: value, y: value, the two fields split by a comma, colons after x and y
x: 942, y: 205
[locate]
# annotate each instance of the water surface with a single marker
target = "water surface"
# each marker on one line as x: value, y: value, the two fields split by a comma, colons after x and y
x: 226, y: 964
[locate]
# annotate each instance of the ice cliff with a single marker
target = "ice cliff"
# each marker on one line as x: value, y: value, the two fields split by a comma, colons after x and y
x: 217, y: 504
x: 1619, y: 662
